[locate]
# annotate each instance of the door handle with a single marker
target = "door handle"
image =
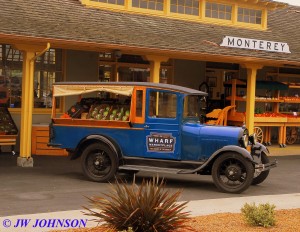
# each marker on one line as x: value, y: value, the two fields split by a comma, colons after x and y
x: 146, y: 126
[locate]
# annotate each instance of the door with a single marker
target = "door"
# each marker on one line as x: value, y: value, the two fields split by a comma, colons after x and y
x: 162, y: 129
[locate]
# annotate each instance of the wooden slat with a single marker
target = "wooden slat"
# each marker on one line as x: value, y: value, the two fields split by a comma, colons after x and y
x: 40, y: 138
x: 44, y: 146
x: 59, y: 152
x: 42, y: 133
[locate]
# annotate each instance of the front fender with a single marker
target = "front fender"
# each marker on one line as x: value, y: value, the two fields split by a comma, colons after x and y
x: 231, y: 148
x: 256, y: 151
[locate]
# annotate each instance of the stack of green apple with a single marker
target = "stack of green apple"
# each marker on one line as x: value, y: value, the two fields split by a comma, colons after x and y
x: 105, y: 113
x: 126, y: 115
x: 100, y: 113
x: 120, y: 114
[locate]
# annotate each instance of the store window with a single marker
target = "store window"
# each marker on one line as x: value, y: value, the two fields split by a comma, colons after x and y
x: 127, y: 67
x: 48, y: 69
x: 116, y: 2
x: 189, y: 7
x: 137, y: 74
x: 246, y: 15
x: 218, y: 11
x: 149, y: 4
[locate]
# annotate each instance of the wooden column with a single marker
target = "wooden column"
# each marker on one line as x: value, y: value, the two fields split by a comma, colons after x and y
x: 29, y: 56
x: 155, y: 66
x: 251, y: 87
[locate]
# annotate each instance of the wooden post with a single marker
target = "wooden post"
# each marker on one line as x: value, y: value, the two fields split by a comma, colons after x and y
x: 251, y: 86
x: 155, y: 62
x: 29, y: 55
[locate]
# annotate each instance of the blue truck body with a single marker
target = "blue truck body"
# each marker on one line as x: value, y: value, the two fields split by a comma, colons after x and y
x: 172, y: 139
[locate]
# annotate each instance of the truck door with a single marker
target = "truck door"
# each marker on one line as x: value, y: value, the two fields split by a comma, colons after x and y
x: 162, y: 129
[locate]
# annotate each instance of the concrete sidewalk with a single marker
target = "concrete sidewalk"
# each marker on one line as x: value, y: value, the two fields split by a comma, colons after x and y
x: 76, y: 218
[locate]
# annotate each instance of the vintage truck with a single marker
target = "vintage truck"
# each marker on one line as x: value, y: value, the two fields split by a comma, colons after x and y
x: 135, y: 126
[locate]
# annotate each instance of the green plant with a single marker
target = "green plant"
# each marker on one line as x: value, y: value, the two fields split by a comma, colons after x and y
x: 128, y: 230
x: 148, y: 207
x: 261, y: 215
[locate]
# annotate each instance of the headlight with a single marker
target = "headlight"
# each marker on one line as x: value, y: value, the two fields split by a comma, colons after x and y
x: 253, y: 139
x: 245, y: 139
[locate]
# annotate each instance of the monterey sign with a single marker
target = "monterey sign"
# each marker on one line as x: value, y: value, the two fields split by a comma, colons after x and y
x: 255, y: 44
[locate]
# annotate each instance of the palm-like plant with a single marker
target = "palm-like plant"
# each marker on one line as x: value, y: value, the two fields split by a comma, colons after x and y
x: 148, y: 207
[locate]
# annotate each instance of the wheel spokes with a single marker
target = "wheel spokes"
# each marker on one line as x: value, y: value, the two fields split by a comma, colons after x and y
x: 98, y: 163
x: 232, y: 173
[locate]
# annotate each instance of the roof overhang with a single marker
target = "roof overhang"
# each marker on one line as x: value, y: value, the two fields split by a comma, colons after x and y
x: 175, y: 54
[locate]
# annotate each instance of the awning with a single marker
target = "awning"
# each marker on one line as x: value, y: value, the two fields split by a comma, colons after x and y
x: 267, y: 85
x: 69, y: 90
x: 271, y: 85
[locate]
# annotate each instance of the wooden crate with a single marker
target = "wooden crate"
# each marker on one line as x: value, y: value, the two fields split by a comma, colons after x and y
x: 39, y: 140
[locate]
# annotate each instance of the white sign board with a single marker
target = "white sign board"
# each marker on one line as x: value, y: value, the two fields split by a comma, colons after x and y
x: 255, y: 44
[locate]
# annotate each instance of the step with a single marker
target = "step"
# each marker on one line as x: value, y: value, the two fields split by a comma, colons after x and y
x: 151, y: 169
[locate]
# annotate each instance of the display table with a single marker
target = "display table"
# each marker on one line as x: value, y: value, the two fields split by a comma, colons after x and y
x: 39, y: 140
x: 8, y: 130
x: 238, y: 119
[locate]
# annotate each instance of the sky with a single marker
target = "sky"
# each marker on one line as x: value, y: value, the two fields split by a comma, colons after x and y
x: 291, y: 2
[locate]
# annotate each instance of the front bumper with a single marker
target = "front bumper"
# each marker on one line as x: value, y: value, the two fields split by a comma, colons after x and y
x: 265, y: 167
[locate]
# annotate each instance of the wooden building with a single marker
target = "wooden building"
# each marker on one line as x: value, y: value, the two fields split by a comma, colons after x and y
x: 184, y: 42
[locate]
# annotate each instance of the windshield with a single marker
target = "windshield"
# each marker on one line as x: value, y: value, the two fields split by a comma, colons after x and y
x: 192, y: 109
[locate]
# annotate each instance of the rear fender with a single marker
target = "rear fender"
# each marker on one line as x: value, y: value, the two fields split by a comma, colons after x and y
x: 93, y: 139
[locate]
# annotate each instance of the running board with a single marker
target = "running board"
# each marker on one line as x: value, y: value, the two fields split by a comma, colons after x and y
x: 153, y: 169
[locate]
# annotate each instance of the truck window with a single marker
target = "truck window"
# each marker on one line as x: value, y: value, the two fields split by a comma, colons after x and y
x: 191, y: 107
x: 162, y: 104
x: 139, y: 103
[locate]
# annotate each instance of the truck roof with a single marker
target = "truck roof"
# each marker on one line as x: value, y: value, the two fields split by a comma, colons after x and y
x: 145, y: 84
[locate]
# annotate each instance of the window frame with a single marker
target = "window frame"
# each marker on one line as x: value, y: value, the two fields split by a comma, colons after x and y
x: 218, y: 11
x: 17, y: 65
x: 200, y: 17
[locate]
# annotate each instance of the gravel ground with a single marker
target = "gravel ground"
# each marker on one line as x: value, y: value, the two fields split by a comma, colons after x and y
x: 286, y: 221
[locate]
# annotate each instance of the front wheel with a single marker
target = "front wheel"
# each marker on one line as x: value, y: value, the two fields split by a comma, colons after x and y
x: 232, y: 173
x: 99, y: 162
x: 259, y: 177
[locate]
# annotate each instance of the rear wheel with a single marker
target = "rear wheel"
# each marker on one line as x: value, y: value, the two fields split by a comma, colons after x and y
x: 99, y: 162
x: 259, y: 177
x: 232, y: 173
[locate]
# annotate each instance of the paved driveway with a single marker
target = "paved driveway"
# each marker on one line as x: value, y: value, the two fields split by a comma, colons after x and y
x: 57, y: 184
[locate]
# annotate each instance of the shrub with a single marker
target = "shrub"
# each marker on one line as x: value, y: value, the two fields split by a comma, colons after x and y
x: 261, y: 215
x: 148, y: 207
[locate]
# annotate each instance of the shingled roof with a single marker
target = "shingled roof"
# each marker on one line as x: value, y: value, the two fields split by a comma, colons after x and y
x: 68, y: 23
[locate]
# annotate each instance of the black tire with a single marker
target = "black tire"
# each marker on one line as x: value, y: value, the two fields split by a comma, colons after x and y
x: 232, y: 173
x: 99, y: 162
x: 261, y: 176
